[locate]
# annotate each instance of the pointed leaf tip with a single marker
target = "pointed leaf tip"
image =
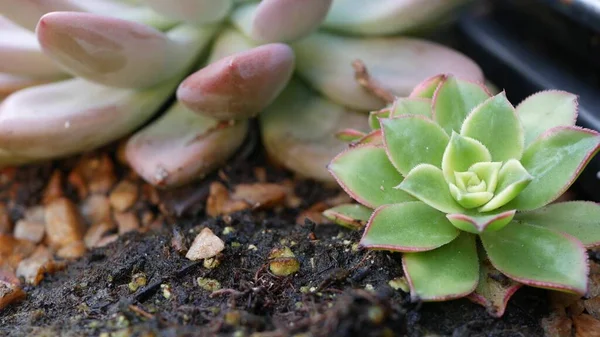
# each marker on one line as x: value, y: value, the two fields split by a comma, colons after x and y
x: 480, y: 223
x: 240, y: 85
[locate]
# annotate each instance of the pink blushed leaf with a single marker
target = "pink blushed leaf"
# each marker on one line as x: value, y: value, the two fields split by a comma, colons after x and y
x: 241, y: 85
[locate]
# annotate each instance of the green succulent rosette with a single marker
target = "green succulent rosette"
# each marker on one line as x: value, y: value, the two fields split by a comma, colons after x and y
x: 463, y: 183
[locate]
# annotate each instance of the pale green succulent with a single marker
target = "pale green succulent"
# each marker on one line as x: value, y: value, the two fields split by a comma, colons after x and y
x: 463, y: 184
x: 99, y: 70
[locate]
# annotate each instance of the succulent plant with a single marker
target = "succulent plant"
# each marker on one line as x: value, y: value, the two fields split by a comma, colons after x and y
x: 463, y: 184
x: 96, y: 71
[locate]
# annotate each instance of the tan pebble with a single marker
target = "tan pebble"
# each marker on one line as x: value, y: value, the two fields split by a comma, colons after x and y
x: 220, y: 203
x: 74, y: 250
x: 13, y: 250
x: 127, y: 222
x: 205, y: 245
x: 96, y: 232
x: 586, y: 326
x: 557, y: 326
x: 32, y: 268
x: 123, y: 196
x: 27, y: 230
x: 96, y: 208
x: 35, y: 214
x: 9, y: 293
x: 63, y: 223
x: 105, y: 241
x: 54, y: 189
x: 260, y: 195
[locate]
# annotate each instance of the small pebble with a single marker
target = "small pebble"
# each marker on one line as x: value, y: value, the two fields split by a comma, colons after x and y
x: 205, y: 245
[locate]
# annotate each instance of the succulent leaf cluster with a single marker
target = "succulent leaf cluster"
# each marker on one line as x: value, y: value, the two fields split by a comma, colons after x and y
x: 464, y: 185
x: 77, y: 75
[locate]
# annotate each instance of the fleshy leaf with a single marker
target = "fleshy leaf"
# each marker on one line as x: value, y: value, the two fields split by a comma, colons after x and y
x: 241, y: 85
x: 287, y: 20
x: 470, y: 199
x: 193, y: 11
x: 354, y: 171
x: 182, y: 146
x: 580, y: 219
x: 487, y: 172
x: 545, y: 110
x: 411, y: 106
x: 411, y: 140
x: 353, y: 216
x: 398, y: 64
x: 512, y: 179
x: 349, y: 135
x: 21, y: 54
x: 427, y: 88
x: 494, y: 289
x: 374, y: 138
x: 10, y: 83
x: 375, y: 115
x: 555, y: 160
x: 480, y: 223
x: 385, y: 17
x: 461, y: 153
x: 538, y: 257
x: 495, y: 124
x: 448, y: 272
x: 426, y: 183
x: 116, y: 52
x: 299, y: 136
x: 408, y: 227
x: 453, y: 101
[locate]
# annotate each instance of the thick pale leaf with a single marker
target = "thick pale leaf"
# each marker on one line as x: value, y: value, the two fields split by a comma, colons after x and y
x: 63, y: 118
x: 412, y: 106
x: 11, y: 83
x: 426, y: 183
x: 495, y: 124
x: 118, y: 52
x: 229, y: 41
x: 27, y: 13
x: 580, y: 219
x: 385, y: 17
x: 193, y: 11
x: 241, y: 85
x: 480, y: 223
x: 287, y: 20
x: 451, y: 271
x: 182, y: 146
x: 413, y: 140
x: 21, y: 54
x: 494, y: 289
x: 427, y: 88
x: 555, y: 160
x: 512, y: 179
x: 298, y: 131
x: 398, y: 64
x: 353, y: 216
x: 461, y: 153
x: 545, y: 110
x: 408, y: 227
x: 454, y: 99
x: 538, y: 257
x: 353, y: 169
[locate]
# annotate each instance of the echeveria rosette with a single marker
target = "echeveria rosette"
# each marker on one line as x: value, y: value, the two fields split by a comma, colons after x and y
x: 451, y: 168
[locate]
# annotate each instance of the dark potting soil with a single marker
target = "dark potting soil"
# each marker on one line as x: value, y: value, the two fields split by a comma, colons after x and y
x: 338, y: 291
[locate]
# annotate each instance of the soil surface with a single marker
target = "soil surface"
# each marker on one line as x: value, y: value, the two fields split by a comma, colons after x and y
x: 338, y: 291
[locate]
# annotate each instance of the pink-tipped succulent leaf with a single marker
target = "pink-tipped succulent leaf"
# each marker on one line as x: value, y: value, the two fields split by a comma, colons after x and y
x: 116, y: 52
x: 240, y: 85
